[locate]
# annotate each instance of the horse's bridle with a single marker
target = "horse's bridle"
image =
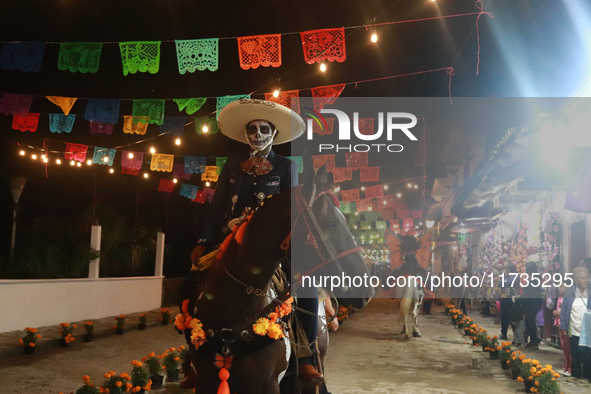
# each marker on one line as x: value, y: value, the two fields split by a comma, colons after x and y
x: 305, y: 210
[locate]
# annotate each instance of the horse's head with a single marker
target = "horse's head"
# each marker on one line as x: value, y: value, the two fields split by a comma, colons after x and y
x: 323, y: 251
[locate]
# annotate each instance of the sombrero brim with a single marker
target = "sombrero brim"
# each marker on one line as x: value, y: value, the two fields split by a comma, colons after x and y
x: 235, y: 116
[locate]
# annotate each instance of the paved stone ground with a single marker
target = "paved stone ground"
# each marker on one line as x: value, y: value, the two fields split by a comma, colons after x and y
x: 367, y: 355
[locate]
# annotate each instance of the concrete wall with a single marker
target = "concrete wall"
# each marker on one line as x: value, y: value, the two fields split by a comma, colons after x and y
x: 45, y: 302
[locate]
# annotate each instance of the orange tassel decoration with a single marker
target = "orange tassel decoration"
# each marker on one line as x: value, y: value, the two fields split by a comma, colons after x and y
x: 224, y: 388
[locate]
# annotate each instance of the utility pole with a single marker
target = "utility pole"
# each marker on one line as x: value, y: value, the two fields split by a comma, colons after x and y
x: 17, y: 184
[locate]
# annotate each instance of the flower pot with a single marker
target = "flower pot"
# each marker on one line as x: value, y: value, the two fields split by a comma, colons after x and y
x: 120, y: 331
x: 494, y: 355
x: 172, y: 376
x: 514, y: 374
x: 63, y: 343
x: 141, y: 326
x: 29, y: 349
x: 165, y: 321
x: 89, y: 337
x: 157, y: 381
x: 474, y: 342
x: 528, y: 385
x: 466, y: 332
x: 483, y: 348
x: 504, y: 365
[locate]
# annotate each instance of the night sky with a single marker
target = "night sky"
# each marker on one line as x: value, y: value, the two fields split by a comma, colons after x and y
x: 530, y: 49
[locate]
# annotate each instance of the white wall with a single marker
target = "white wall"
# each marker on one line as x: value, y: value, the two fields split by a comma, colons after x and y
x: 45, y: 302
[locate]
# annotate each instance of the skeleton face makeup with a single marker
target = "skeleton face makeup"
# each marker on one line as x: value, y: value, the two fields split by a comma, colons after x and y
x: 259, y: 134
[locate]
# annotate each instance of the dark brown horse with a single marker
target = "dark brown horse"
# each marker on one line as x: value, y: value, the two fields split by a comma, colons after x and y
x: 236, y: 290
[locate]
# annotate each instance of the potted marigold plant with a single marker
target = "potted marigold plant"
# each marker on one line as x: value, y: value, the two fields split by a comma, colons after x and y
x: 505, y: 354
x: 172, y: 361
x: 142, y: 324
x: 154, y: 368
x: 526, y: 370
x: 66, y: 334
x: 89, y: 327
x: 448, y: 308
x: 29, y: 341
x: 165, y: 316
x: 87, y: 388
x: 140, y: 378
x: 493, y: 347
x: 545, y: 380
x: 120, y: 326
x: 117, y: 384
x: 482, y: 338
x: 515, y: 362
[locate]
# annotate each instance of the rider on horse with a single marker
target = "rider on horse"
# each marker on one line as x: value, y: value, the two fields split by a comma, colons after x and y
x: 248, y: 178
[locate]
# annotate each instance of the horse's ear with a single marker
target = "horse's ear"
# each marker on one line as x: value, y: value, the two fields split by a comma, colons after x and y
x: 321, y: 175
x: 308, y: 178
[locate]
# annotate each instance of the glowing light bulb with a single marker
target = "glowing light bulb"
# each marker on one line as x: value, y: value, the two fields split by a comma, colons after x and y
x: 362, y: 188
x: 416, y: 186
x: 111, y: 171
x: 420, y: 223
x: 385, y: 202
x: 72, y: 163
x: 207, y: 184
x: 456, y: 219
x: 374, y: 37
x: 106, y: 159
x: 337, y: 189
x: 276, y: 93
x: 152, y: 150
x: 409, y: 185
x: 356, y: 213
x: 399, y: 195
x: 34, y: 157
x: 177, y: 141
x: 58, y: 161
x: 322, y: 67
x: 146, y: 175
x: 385, y: 187
x: 175, y: 180
x: 43, y: 157
x: 89, y: 162
x: 45, y: 160
x: 22, y: 153
x: 355, y: 227
x: 130, y: 155
x: 205, y: 128
x: 78, y: 164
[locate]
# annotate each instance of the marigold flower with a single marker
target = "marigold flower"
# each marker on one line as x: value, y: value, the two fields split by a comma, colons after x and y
x: 32, y: 344
x: 261, y: 326
x: 176, y: 358
x: 86, y: 377
x: 118, y: 383
x: 556, y: 375
x: 32, y: 330
x: 107, y: 375
x: 535, y: 362
x: 20, y: 341
x: 275, y: 331
x: 530, y: 378
x: 38, y: 335
x: 520, y: 378
x: 151, y: 354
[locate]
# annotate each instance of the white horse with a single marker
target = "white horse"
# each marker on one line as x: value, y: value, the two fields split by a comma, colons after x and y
x: 411, y: 300
x: 405, y: 250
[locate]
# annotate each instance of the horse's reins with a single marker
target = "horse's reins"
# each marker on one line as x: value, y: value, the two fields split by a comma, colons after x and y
x: 305, y: 210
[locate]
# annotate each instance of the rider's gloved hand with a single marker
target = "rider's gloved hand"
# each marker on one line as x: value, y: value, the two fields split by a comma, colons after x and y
x: 197, y: 253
